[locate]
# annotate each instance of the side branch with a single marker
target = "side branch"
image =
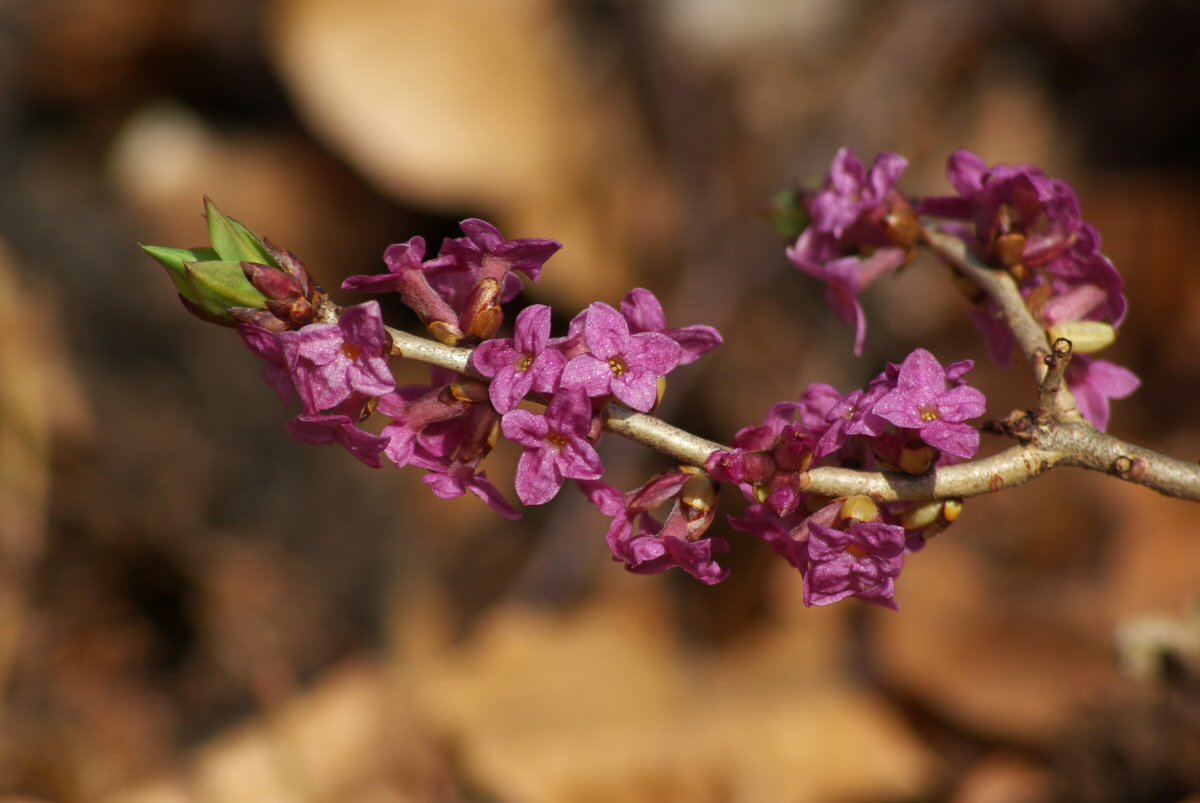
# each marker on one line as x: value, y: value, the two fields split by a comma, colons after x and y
x: 1002, y: 290
x: 1087, y: 447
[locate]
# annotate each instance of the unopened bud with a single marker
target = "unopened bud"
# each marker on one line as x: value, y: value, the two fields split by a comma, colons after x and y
x: 660, y: 390
x: 917, y: 460
x: 469, y: 390
x: 1085, y: 336
x: 858, y: 508
x: 238, y: 278
x: 921, y: 514
x: 952, y: 509
x: 786, y: 214
x: 482, y: 313
x: 233, y: 241
x: 1010, y: 249
x: 445, y: 332
x: 700, y: 493
x: 902, y: 225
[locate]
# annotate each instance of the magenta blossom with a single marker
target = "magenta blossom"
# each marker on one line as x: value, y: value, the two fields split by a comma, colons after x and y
x: 925, y: 400
x: 556, y: 446
x: 346, y: 357
x: 488, y: 255
x: 458, y: 477
x: 851, y: 192
x: 862, y: 229
x: 644, y: 314
x: 644, y: 545
x: 845, y: 277
x: 854, y: 414
x: 278, y: 349
x: 522, y: 364
x: 626, y: 365
x: 415, y: 410
x: 339, y: 426
x: 1093, y: 382
x: 862, y: 561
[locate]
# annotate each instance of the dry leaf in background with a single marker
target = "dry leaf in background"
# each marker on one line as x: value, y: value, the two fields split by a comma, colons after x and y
x: 604, y: 703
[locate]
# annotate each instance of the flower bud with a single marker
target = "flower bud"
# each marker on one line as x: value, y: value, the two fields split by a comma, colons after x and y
x: 952, y: 510
x: 858, y: 508
x: 1085, y: 336
x: 1009, y: 249
x: 902, y: 225
x: 787, y: 215
x: 699, y: 493
x: 240, y: 278
x: 917, y: 460
x: 921, y: 514
x: 208, y: 285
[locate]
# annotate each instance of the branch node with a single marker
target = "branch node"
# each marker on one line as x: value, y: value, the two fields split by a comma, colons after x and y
x: 1129, y: 468
x: 1056, y: 362
x: 1017, y: 425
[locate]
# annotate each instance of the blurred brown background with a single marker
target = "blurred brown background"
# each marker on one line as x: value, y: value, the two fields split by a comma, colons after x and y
x: 195, y: 608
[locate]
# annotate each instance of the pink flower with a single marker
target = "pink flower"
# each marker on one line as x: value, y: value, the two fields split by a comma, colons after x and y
x: 556, y: 446
x: 925, y: 400
x: 522, y: 364
x: 862, y: 561
x: 346, y: 357
x: 643, y: 544
x: 485, y: 251
x: 338, y: 426
x: 457, y: 478
x: 644, y: 314
x: 271, y: 347
x: 851, y: 192
x: 854, y: 238
x: 845, y: 277
x: 1093, y: 382
x: 618, y: 362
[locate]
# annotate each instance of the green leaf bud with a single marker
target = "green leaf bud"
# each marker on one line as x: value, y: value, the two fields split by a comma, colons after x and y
x: 174, y: 259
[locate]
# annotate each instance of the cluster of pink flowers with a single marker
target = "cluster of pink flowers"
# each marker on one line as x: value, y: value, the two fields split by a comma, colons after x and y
x: 1030, y: 225
x: 861, y: 230
x: 340, y: 374
x: 857, y: 228
x: 842, y: 551
x: 1013, y: 217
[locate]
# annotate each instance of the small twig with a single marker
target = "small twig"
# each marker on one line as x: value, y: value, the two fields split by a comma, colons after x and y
x: 1000, y: 287
x: 1056, y: 363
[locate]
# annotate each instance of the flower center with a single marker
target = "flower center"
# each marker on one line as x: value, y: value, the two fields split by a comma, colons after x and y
x: 617, y: 365
x: 855, y: 551
x: 556, y: 440
x: 351, y: 351
x: 929, y: 413
x: 524, y: 363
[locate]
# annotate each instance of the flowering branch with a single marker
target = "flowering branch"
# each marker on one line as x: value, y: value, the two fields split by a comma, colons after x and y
x: 842, y: 486
x: 1077, y: 444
